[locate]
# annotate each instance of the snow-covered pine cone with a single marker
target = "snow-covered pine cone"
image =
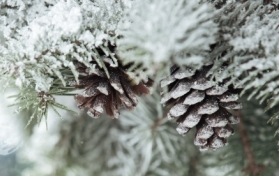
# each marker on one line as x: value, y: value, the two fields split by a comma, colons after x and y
x: 108, y: 94
x: 197, y: 101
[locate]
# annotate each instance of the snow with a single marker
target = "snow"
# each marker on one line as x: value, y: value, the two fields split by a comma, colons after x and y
x: 185, y: 38
x: 208, y: 107
x: 231, y: 105
x: 181, y: 89
x: 200, y: 142
x: 166, y: 97
x: 115, y: 83
x: 216, y: 121
x: 224, y: 132
x: 95, y: 116
x: 201, y: 84
x: 11, y: 135
x: 217, y: 90
x: 228, y: 97
x: 233, y: 119
x: 103, y: 88
x: 178, y: 110
x: 181, y: 73
x: 167, y: 81
x: 191, y: 120
x: 194, y: 97
x: 87, y: 37
x: 204, y: 132
x: 45, y: 39
x: 182, y: 130
x: 216, y: 142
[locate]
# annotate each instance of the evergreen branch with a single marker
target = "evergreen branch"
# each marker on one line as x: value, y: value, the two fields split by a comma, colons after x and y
x: 253, y: 168
x: 39, y: 102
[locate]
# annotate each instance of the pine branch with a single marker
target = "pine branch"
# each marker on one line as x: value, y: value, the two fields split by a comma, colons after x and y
x: 253, y: 168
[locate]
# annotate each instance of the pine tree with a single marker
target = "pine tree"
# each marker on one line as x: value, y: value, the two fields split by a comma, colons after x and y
x: 212, y: 65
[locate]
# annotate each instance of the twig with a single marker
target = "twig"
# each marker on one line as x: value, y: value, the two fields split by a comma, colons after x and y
x: 194, y: 166
x: 160, y: 120
x: 253, y: 168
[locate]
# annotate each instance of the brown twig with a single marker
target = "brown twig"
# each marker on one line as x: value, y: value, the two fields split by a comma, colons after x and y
x: 194, y: 166
x: 253, y: 168
x: 160, y: 120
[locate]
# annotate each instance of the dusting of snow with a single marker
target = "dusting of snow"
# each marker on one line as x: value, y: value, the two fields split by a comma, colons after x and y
x: 182, y: 88
x: 216, y: 90
x: 216, y: 142
x: 224, y: 132
x: 208, y: 107
x: 166, y: 98
x: 103, y: 88
x: 178, y: 109
x: 231, y: 105
x: 192, y: 119
x: 194, y: 97
x: 92, y: 115
x: 11, y: 127
x: 205, y: 132
x: 99, y: 108
x: 187, y: 33
x: 200, y: 142
x: 201, y: 84
x: 228, y: 97
x: 182, y: 130
x: 181, y: 73
x: 167, y: 81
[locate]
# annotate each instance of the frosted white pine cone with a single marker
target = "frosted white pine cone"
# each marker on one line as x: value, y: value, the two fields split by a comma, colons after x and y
x: 200, y: 102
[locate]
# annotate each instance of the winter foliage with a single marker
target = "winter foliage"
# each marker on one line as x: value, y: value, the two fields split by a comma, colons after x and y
x: 106, y: 53
x: 184, y: 29
x: 55, y: 35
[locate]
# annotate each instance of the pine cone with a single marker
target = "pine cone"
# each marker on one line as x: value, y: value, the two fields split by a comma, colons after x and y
x: 197, y: 101
x: 109, y: 94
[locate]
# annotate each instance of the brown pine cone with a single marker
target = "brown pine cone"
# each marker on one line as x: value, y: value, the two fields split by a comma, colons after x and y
x: 108, y: 94
x: 198, y: 102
